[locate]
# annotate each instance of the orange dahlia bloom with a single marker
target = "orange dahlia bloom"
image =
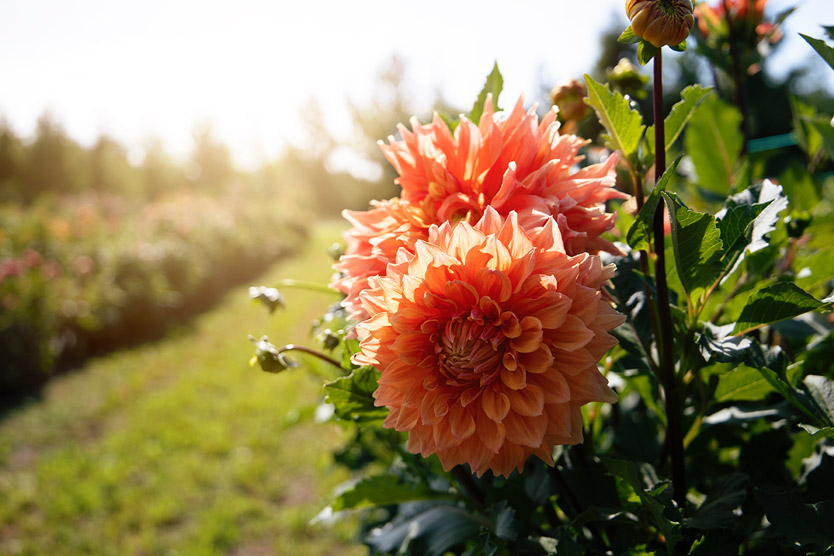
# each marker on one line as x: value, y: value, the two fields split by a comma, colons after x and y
x: 745, y: 11
x: 372, y: 243
x: 510, y: 161
x: 487, y: 338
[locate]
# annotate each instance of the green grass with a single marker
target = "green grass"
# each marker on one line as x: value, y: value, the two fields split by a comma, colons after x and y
x: 180, y: 447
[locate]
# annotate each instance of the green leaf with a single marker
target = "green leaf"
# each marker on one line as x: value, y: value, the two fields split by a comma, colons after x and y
x: 717, y: 510
x: 824, y: 432
x: 647, y: 388
x: 678, y: 117
x: 717, y: 543
x: 494, y: 85
x: 826, y: 132
x: 382, y: 490
x: 714, y: 142
x: 645, y: 52
x: 747, y: 217
x: 563, y: 544
x: 736, y: 225
x: 506, y: 526
x: 814, y: 268
x: 798, y: 523
x: 799, y: 399
x: 716, y: 344
x: 779, y: 301
x: 426, y: 529
x: 822, y: 49
x: 641, y: 229
x: 822, y: 392
x: 742, y: 384
x: 656, y: 500
x: 352, y: 396
x: 806, y: 134
x: 681, y: 47
x: 829, y: 31
x: 697, y: 245
x: 800, y: 189
x: 628, y: 36
x: 623, y: 123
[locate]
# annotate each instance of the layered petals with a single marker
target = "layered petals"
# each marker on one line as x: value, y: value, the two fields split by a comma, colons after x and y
x: 487, y: 338
x: 510, y: 161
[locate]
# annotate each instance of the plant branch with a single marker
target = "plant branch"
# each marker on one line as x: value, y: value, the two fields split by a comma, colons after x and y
x: 738, y: 77
x: 308, y: 351
x: 305, y: 285
x: 674, y: 432
x: 464, y: 478
x: 742, y: 280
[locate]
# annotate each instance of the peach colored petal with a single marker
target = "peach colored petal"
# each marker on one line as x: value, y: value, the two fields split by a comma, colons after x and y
x: 495, y: 404
x: 480, y: 363
x: 508, y: 162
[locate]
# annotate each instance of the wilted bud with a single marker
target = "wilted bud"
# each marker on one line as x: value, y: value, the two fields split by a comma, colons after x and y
x: 661, y: 22
x: 268, y: 357
x: 336, y: 250
x: 569, y: 97
x: 626, y: 78
x: 329, y: 339
x: 270, y: 297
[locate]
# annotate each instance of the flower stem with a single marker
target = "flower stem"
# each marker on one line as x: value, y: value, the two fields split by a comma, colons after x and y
x: 305, y: 285
x: 738, y: 77
x: 674, y: 429
x: 308, y: 351
x: 464, y: 478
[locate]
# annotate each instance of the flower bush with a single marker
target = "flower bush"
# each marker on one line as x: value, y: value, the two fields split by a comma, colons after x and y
x: 83, y: 274
x: 671, y: 372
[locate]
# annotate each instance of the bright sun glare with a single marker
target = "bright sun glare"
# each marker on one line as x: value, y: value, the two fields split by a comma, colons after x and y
x: 160, y: 68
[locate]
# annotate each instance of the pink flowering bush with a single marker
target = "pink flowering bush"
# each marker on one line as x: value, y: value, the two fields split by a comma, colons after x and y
x: 84, y: 274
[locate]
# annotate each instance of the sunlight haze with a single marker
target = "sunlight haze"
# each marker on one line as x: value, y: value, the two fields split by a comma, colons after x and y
x: 161, y: 68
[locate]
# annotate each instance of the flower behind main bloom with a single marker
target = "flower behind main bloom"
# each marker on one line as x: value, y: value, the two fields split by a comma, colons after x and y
x: 487, y: 339
x: 510, y: 161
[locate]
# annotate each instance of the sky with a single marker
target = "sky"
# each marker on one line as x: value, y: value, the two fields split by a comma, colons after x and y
x: 160, y: 68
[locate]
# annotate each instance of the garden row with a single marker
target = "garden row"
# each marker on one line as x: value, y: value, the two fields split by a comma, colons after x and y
x: 81, y: 275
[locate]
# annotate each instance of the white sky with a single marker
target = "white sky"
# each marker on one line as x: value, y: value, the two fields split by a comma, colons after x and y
x: 158, y: 68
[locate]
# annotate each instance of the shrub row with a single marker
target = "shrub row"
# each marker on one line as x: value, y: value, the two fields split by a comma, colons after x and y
x: 82, y: 275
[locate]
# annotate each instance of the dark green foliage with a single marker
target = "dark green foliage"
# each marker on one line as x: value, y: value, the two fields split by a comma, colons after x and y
x: 352, y: 396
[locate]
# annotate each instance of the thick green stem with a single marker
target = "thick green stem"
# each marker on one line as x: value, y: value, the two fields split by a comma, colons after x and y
x: 674, y: 427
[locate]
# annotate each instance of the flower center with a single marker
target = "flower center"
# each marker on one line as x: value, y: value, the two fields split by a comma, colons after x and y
x: 469, y: 351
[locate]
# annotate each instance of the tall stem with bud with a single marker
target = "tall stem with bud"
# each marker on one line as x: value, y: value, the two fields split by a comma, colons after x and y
x: 674, y: 427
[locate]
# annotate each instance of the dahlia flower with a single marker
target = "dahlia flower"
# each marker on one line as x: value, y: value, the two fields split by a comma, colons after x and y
x: 510, y: 161
x: 747, y: 16
x: 487, y: 338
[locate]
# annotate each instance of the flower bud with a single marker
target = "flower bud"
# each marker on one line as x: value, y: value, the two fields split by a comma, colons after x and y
x: 661, y: 22
x: 568, y: 96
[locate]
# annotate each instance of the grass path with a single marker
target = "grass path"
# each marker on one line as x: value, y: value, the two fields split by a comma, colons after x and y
x: 179, y: 447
